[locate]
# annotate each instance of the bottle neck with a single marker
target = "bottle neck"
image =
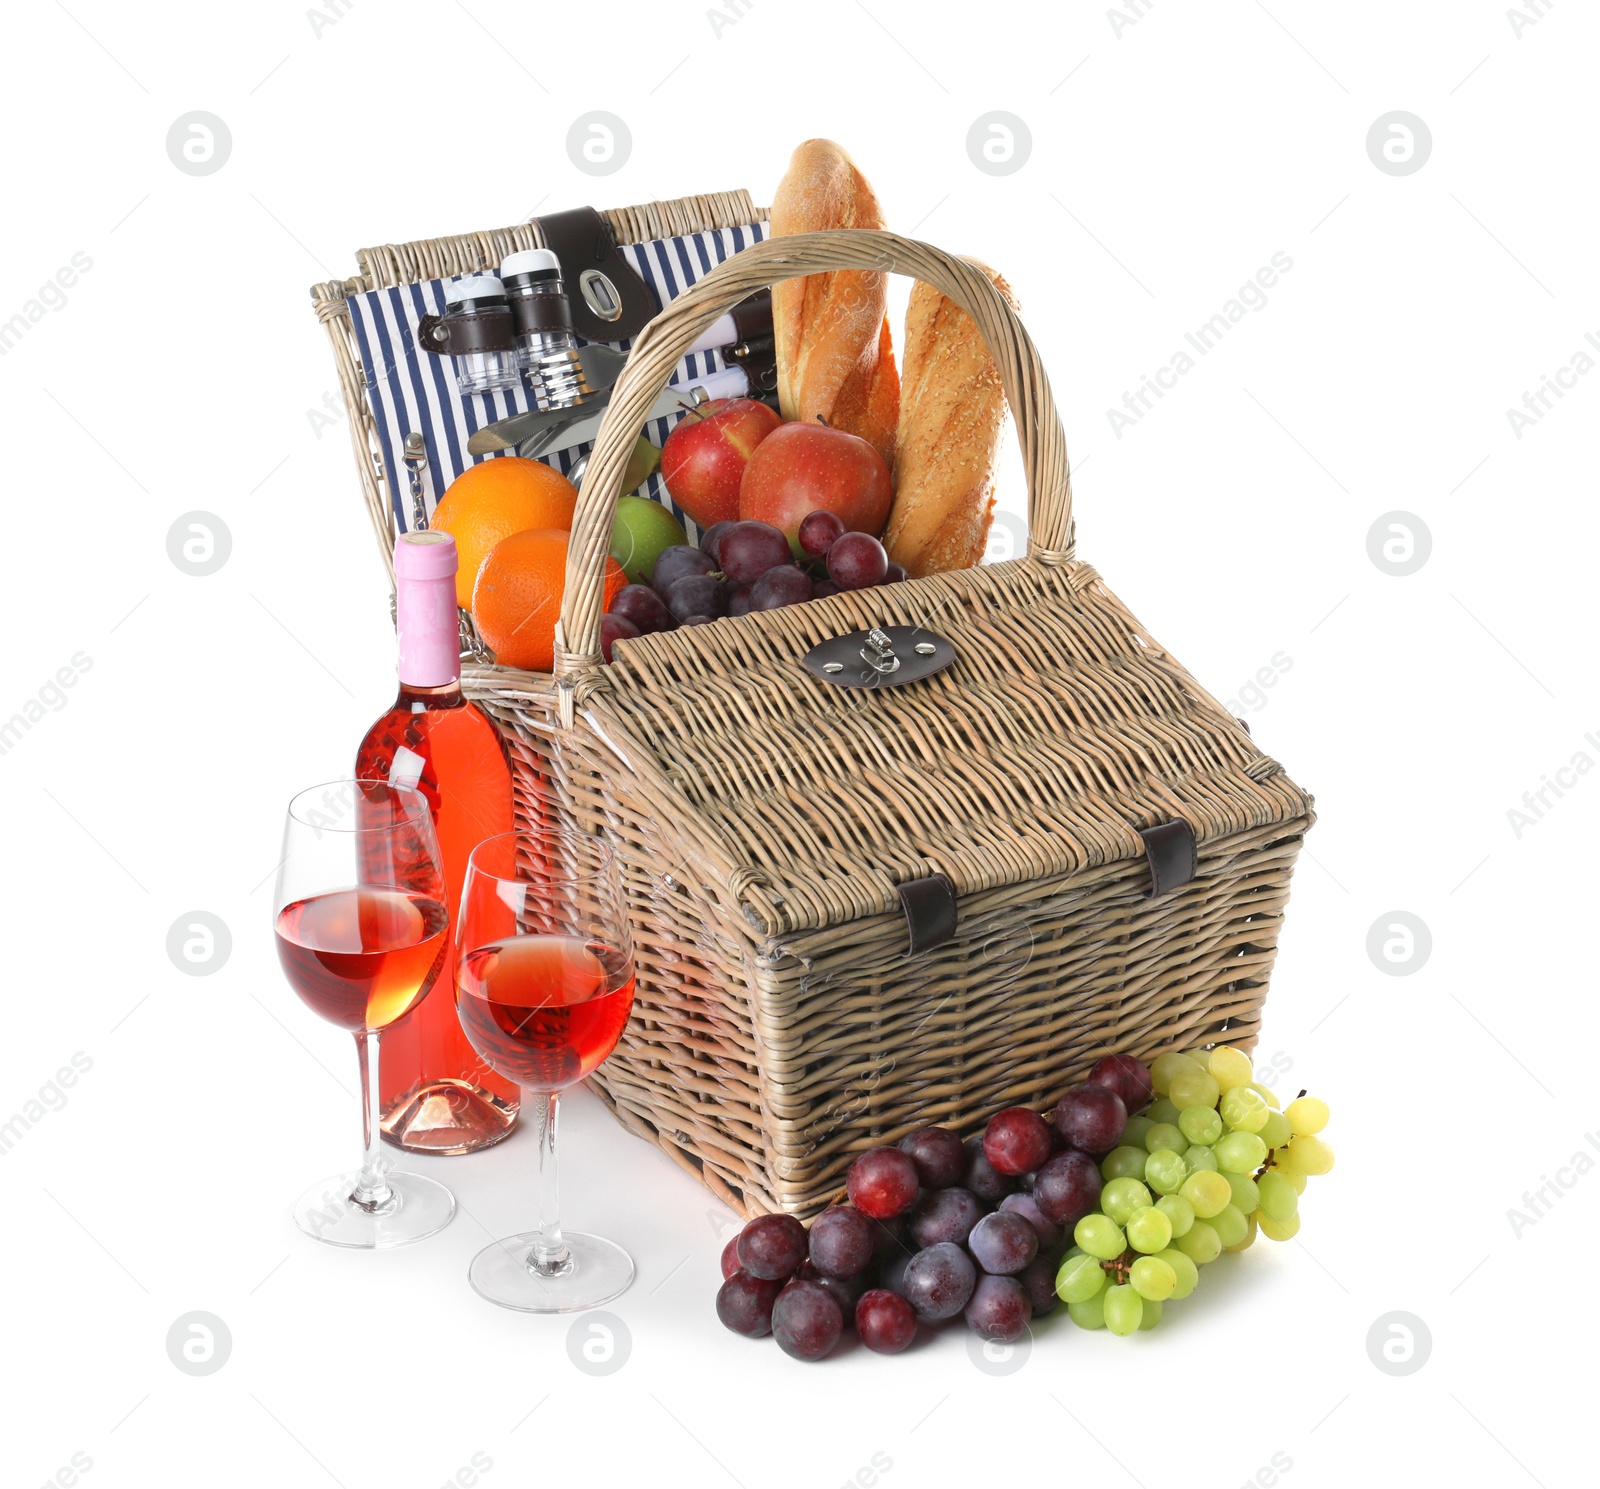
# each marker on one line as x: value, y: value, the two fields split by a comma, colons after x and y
x: 446, y: 695
x: 429, y: 635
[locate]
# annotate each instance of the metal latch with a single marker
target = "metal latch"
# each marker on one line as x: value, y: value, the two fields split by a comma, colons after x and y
x: 878, y: 653
x: 882, y: 657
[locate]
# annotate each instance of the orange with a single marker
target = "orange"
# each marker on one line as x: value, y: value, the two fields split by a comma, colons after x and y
x: 495, y: 498
x: 517, y: 601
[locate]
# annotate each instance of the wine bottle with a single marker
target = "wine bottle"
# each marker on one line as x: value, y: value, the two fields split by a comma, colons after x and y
x: 437, y: 1093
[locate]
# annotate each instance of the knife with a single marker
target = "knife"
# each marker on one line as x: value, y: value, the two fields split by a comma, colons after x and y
x: 739, y: 328
x: 579, y: 424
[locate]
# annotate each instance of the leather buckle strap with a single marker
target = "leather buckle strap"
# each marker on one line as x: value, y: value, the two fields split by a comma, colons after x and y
x: 1170, y: 849
x: 930, y: 906
x: 610, y: 302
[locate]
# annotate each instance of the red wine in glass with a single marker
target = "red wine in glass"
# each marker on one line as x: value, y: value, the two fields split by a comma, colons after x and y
x: 545, y: 1010
x: 362, y: 958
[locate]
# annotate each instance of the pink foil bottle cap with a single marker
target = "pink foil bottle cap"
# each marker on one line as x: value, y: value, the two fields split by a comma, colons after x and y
x: 425, y: 555
x: 425, y: 565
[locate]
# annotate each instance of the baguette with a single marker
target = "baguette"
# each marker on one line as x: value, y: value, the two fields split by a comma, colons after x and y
x: 951, y: 418
x: 831, y: 331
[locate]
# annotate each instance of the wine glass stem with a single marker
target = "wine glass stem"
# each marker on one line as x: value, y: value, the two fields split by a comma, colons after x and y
x: 372, y: 1191
x: 549, y: 1256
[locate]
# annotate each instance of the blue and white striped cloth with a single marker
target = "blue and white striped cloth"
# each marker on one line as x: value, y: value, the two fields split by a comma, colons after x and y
x: 410, y: 390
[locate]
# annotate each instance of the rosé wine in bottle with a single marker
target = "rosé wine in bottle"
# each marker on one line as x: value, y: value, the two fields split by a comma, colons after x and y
x: 438, y: 1094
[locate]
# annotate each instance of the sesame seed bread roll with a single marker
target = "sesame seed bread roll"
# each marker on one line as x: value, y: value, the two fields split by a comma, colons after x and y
x: 952, y: 416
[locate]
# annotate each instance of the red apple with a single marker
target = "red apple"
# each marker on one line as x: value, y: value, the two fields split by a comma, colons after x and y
x: 704, y: 458
x: 805, y: 468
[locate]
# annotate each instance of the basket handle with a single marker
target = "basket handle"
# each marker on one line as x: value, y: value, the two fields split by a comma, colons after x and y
x: 663, y: 342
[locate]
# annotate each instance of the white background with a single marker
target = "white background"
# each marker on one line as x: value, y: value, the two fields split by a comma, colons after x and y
x: 1170, y: 159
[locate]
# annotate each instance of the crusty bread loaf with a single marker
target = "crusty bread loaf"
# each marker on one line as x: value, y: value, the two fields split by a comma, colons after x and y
x: 952, y: 414
x: 835, y: 350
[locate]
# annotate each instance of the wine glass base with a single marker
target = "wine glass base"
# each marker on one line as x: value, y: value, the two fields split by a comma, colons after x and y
x: 598, y: 1271
x: 420, y: 1208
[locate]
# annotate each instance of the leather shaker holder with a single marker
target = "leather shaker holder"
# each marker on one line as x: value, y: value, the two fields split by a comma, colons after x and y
x: 1170, y: 849
x: 930, y: 906
x: 541, y: 313
x: 475, y: 331
x: 594, y: 273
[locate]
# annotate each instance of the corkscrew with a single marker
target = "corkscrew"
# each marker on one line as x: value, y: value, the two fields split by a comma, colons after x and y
x: 416, y: 461
x: 556, y: 377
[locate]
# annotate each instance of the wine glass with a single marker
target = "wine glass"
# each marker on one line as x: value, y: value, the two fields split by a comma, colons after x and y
x: 544, y: 987
x: 361, y: 920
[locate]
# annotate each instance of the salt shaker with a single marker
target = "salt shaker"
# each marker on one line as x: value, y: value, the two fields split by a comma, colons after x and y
x: 476, y: 329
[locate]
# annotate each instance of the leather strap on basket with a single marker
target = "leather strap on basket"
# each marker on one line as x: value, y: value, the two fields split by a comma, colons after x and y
x: 752, y: 316
x: 585, y: 244
x: 1170, y: 848
x: 663, y: 342
x: 930, y: 906
x: 474, y: 331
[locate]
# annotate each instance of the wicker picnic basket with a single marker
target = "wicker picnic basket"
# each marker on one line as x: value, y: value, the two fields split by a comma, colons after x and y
x: 1114, y: 848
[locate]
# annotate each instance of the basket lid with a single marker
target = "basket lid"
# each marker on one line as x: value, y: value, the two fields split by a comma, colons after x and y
x: 1061, y: 730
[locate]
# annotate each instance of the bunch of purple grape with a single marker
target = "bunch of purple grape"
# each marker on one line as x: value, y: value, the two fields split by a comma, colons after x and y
x: 744, y: 566
x: 935, y: 1227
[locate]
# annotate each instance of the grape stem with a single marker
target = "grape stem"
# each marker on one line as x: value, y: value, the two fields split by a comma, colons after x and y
x: 1269, y: 1163
x: 1119, y: 1267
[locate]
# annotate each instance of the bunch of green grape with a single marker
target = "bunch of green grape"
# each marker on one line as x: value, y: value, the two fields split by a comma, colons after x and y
x: 1209, y: 1164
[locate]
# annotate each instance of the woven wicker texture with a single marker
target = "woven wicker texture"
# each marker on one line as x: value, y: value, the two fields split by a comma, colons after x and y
x: 766, y: 819
x: 1060, y: 731
x: 764, y: 1063
x: 763, y: 820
